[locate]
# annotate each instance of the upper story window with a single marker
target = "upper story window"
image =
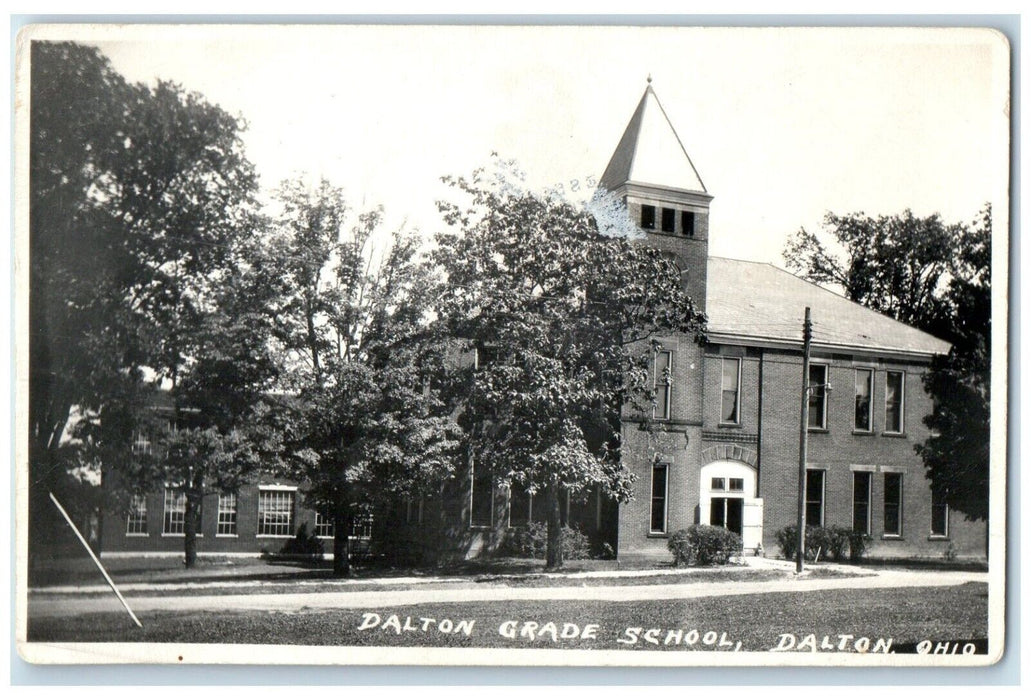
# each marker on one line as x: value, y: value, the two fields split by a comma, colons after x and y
x: 731, y: 401
x: 687, y: 223
x: 669, y: 220
x: 648, y: 216
x: 894, y: 402
x: 864, y: 404
x: 663, y: 384
x: 818, y: 396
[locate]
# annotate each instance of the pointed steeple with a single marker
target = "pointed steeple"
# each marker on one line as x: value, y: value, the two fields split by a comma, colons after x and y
x: 651, y: 153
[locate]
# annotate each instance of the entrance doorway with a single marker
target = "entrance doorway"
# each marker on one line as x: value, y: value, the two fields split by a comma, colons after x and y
x: 727, y: 512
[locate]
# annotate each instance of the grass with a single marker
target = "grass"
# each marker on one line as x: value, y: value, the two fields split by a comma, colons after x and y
x: 906, y: 615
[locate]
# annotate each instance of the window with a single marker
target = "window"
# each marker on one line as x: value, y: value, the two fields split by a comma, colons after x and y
x: 361, y: 525
x: 718, y: 484
x: 737, y: 485
x: 659, y: 471
x: 818, y: 396
x: 175, y: 512
x: 939, y: 513
x: 730, y: 383
x: 687, y: 222
x: 413, y: 511
x: 864, y: 405
x: 519, y: 506
x: 226, y: 526
x: 275, y: 512
x: 140, y: 444
x: 482, y: 497
x: 647, y: 216
x: 894, y: 402
x: 323, y: 525
x: 892, y: 504
x: 861, y: 483
x: 663, y: 388
x: 669, y: 220
x: 814, y: 497
x: 137, y: 521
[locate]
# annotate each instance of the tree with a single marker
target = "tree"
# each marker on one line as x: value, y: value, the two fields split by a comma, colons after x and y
x: 562, y: 316
x: 139, y: 197
x: 936, y: 277
x: 371, y: 424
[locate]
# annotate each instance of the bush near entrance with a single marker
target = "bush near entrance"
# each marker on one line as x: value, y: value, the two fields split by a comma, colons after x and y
x: 827, y: 542
x: 531, y: 541
x: 703, y: 545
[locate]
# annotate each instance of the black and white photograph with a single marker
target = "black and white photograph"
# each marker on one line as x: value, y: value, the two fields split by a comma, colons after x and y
x: 494, y: 345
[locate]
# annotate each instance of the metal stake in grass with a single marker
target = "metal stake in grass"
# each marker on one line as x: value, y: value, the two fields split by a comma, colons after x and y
x: 96, y: 561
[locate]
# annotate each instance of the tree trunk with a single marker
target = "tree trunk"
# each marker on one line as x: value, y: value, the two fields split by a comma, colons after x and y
x: 341, y: 541
x: 554, y: 555
x: 191, y: 526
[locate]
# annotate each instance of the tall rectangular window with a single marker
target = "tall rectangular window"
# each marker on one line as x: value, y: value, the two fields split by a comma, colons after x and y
x: 894, y: 402
x: 175, y: 512
x: 817, y: 396
x: 814, y: 497
x: 275, y: 512
x: 136, y: 523
x: 893, y: 504
x: 226, y: 526
x: 658, y: 520
x: 663, y: 384
x: 323, y: 525
x: 647, y: 216
x: 939, y: 513
x: 482, y: 497
x: 687, y: 222
x: 729, y: 387
x: 864, y: 404
x: 861, y: 482
x: 669, y: 220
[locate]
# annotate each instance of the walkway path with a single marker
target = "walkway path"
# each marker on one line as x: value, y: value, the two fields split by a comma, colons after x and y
x: 50, y: 603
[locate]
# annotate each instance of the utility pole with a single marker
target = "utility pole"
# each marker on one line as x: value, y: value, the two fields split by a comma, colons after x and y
x: 803, y: 440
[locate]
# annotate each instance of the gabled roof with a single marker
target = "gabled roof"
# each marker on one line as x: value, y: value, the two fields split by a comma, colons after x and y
x: 758, y: 302
x: 650, y: 152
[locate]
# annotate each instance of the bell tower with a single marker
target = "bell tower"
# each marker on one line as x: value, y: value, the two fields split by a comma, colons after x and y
x: 652, y: 174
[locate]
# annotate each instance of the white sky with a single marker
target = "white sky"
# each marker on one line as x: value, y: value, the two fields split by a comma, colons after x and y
x: 782, y: 124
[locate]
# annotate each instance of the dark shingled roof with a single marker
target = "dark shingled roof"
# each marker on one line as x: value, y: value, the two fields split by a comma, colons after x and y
x: 762, y: 302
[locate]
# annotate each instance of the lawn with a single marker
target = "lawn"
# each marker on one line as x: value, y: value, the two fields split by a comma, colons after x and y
x: 746, y: 622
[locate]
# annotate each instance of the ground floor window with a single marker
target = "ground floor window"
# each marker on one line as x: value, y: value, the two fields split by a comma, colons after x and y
x: 892, y: 504
x: 137, y: 520
x: 814, y: 497
x: 226, y: 525
x: 175, y: 512
x: 519, y: 506
x: 659, y: 478
x: 413, y: 511
x: 939, y: 513
x: 323, y: 525
x: 481, y: 509
x: 861, y: 502
x: 275, y: 512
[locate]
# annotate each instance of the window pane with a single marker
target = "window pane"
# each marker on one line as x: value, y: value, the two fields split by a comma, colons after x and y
x: 718, y: 484
x: 939, y: 514
x: 647, y: 216
x: 814, y: 497
x: 731, y: 372
x: 864, y: 388
x: 482, y: 497
x: 861, y: 502
x: 892, y: 504
x: 669, y: 219
x: 658, y: 523
x: 893, y: 403
x: 737, y: 484
x: 817, y: 396
x: 687, y: 222
x: 663, y: 362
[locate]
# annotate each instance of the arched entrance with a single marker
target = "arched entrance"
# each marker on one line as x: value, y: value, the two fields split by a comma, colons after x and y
x: 729, y: 499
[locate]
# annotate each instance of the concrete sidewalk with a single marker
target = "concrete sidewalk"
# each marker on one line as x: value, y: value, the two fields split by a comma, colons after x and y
x: 51, y: 604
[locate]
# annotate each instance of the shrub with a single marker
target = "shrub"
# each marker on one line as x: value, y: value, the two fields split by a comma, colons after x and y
x: 303, y: 545
x: 703, y: 545
x: 531, y: 541
x: 830, y: 542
